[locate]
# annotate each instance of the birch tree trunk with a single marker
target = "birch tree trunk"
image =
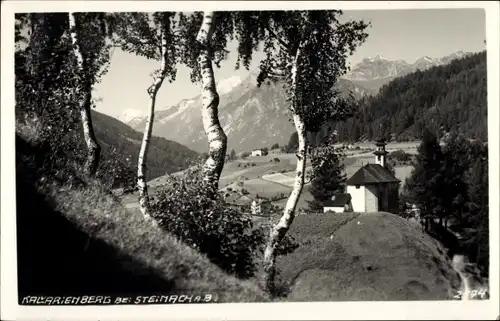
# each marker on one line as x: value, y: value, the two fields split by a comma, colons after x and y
x: 143, y: 153
x: 93, y: 148
x: 217, y: 139
x: 280, y: 229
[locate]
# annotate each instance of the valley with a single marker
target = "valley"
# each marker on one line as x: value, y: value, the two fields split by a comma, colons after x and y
x: 245, y: 179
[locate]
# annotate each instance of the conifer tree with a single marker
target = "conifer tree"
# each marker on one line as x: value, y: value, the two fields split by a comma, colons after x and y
x: 425, y: 182
x: 327, y: 177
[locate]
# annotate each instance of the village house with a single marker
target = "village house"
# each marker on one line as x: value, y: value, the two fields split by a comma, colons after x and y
x: 338, y: 204
x: 373, y: 188
x: 257, y: 152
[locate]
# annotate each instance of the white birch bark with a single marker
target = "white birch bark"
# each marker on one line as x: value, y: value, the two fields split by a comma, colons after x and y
x: 281, y: 228
x: 93, y: 148
x: 143, y: 153
x: 217, y: 139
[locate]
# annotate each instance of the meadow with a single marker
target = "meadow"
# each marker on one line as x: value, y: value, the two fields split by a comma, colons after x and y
x: 365, y: 256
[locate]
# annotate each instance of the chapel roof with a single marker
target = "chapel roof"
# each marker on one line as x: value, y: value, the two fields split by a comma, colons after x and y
x: 372, y: 174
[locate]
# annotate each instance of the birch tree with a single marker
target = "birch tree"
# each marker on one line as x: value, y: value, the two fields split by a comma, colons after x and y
x: 152, y: 36
x: 308, y: 50
x: 88, y: 35
x: 205, y: 37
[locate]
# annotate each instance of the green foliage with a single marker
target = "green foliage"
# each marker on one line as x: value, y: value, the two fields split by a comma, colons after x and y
x: 46, y: 98
x: 327, y: 176
x: 232, y: 155
x: 451, y: 183
x: 400, y: 157
x: 242, y: 26
x: 122, y: 143
x: 478, y: 211
x: 245, y: 155
x: 293, y: 143
x: 140, y: 33
x: 450, y: 97
x: 275, y: 146
x: 92, y: 30
x: 323, y: 45
x: 45, y: 88
x: 425, y: 183
x: 79, y: 240
x: 187, y: 208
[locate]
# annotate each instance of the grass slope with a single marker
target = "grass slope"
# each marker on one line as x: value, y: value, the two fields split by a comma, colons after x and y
x: 369, y: 256
x: 81, y: 241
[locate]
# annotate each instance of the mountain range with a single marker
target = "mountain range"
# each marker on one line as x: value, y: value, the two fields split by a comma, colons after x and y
x: 256, y: 117
x: 373, y: 73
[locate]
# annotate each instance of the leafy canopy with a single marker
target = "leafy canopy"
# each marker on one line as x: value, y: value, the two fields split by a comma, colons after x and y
x: 318, y: 45
x: 241, y: 26
x: 141, y: 34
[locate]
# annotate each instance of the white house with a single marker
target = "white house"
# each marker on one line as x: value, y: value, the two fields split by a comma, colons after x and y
x: 257, y: 152
x: 338, y: 203
x: 373, y: 187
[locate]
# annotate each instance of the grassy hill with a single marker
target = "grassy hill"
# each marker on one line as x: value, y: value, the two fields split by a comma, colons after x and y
x: 88, y: 242
x: 79, y: 240
x: 164, y: 156
x: 368, y: 256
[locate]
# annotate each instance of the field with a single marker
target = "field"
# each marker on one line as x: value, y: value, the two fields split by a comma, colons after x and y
x: 408, y: 147
x: 372, y: 256
x: 265, y: 188
x: 263, y: 176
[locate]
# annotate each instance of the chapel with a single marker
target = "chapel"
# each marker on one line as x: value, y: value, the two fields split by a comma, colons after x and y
x: 373, y: 188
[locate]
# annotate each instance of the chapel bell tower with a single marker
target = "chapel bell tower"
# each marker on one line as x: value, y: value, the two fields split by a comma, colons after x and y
x: 380, y: 152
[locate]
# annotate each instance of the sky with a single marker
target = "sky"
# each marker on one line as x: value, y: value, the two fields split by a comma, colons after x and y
x: 394, y: 34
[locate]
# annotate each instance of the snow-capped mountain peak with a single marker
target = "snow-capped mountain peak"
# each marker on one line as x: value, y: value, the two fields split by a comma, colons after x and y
x: 380, y: 70
x: 131, y: 113
x: 226, y: 85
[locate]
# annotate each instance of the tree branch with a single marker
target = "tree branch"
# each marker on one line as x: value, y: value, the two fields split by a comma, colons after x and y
x: 282, y: 42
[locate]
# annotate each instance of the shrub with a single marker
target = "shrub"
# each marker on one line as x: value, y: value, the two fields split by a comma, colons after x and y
x: 200, y: 218
x: 245, y: 155
x: 244, y: 191
x: 253, y: 164
x: 277, y: 197
x: 276, y: 160
x: 400, y: 156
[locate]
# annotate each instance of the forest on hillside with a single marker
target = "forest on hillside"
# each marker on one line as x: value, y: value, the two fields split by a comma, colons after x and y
x: 443, y: 99
x: 121, y: 142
